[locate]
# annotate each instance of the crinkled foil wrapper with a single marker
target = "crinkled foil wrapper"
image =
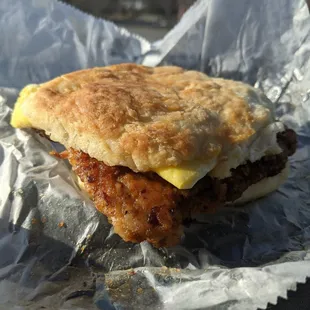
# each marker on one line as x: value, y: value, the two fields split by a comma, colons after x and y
x: 57, y: 252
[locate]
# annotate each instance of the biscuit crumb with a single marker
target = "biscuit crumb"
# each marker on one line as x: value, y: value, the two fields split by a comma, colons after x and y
x: 131, y: 272
x: 62, y: 224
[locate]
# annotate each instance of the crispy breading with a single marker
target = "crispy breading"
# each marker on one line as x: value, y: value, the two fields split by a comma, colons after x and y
x: 143, y: 206
x: 139, y: 206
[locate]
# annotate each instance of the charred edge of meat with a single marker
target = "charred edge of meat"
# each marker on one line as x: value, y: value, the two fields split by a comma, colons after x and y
x: 268, y: 166
x: 287, y: 141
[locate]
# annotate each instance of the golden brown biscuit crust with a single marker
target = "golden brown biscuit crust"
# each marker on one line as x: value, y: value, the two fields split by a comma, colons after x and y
x: 145, y: 118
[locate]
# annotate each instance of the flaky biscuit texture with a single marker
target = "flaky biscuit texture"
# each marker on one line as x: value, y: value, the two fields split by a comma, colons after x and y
x: 145, y: 118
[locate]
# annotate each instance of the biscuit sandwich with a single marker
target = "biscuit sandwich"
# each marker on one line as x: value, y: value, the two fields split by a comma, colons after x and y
x: 154, y: 147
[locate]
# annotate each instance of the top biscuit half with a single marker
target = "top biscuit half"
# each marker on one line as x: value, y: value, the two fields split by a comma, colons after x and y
x: 147, y: 118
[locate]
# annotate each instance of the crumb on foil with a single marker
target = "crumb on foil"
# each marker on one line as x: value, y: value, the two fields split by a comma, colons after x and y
x: 62, y: 224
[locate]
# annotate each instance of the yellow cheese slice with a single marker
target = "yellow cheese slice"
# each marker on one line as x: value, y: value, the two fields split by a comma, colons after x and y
x: 186, y: 175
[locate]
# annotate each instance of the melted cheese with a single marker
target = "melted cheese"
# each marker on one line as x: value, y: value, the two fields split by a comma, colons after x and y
x: 186, y: 175
x: 19, y: 120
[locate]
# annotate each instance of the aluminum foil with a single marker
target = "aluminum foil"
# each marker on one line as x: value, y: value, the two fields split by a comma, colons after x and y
x: 57, y: 252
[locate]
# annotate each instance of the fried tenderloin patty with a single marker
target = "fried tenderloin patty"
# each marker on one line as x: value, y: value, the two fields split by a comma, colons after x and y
x: 143, y: 206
